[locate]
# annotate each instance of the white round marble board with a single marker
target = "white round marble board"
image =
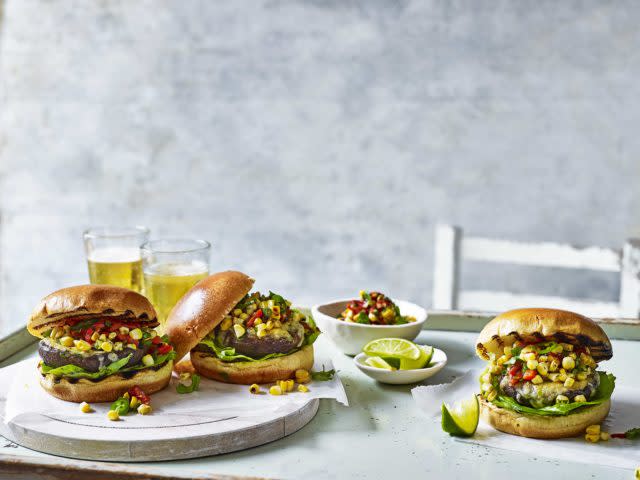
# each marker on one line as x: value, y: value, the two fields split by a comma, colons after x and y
x: 219, y: 418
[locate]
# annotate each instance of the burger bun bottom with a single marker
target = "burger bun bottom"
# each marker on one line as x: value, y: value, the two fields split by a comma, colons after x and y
x: 247, y: 373
x: 538, y: 426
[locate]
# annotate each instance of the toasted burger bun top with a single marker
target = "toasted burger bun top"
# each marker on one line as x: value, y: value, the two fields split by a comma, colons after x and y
x: 543, y: 324
x: 88, y: 300
x: 203, y: 307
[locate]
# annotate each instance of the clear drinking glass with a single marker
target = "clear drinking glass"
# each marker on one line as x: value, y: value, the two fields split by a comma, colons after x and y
x: 113, y: 255
x: 171, y: 267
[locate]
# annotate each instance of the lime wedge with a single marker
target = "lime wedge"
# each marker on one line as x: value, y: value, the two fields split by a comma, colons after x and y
x: 426, y: 352
x: 461, y: 419
x: 393, y: 348
x: 378, y: 362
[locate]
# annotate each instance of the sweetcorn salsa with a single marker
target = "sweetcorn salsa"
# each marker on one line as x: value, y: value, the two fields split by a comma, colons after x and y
x: 374, y: 308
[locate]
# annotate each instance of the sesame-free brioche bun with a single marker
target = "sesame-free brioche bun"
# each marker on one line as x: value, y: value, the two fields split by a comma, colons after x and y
x: 539, y: 426
x: 108, y: 388
x: 203, y: 307
x: 543, y: 324
x: 89, y: 300
x: 247, y: 373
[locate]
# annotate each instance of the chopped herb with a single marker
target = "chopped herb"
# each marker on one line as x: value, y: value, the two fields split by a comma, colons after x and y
x: 121, y: 405
x: 195, y: 383
x: 323, y: 376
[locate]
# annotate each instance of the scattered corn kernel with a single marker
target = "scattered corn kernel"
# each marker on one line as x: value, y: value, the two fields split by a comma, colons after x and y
x: 562, y: 376
x: 486, y: 378
x: 554, y: 377
x: 569, y: 382
x: 244, y: 316
x: 275, y: 390
x: 85, y: 407
x: 144, y: 409
x: 604, y: 436
x: 95, y: 336
x: 239, y: 330
x: 562, y: 399
x: 153, y: 334
x: 592, y: 438
x: 134, y: 402
x: 290, y: 385
x: 261, y: 333
x: 136, y: 334
x: 579, y: 398
x: 102, y: 336
x: 568, y: 363
x: 125, y: 395
x: 486, y: 387
x: 537, y: 380
x: 106, y: 346
x: 543, y: 358
x: 112, y: 335
x: 113, y: 415
x: 226, y: 324
x: 302, y: 376
x: 66, y: 341
x: 593, y: 429
x: 255, y: 389
x: 258, y: 321
x: 303, y: 388
x: 147, y: 360
x: 237, y: 312
x: 269, y: 324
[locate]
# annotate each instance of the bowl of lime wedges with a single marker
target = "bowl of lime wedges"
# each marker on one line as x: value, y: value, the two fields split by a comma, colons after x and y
x: 399, y: 361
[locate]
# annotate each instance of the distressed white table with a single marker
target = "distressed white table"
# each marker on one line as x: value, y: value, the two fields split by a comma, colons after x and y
x: 381, y: 435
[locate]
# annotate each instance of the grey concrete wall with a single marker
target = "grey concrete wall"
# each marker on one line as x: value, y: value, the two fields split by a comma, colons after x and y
x: 316, y: 143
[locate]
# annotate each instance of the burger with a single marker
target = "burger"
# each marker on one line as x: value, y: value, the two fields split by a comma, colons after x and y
x: 98, y: 341
x: 542, y: 380
x: 239, y: 337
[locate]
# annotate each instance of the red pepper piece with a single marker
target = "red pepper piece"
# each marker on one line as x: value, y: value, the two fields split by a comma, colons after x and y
x: 529, y: 374
x: 252, y: 320
x: 156, y: 340
x: 164, y: 348
x: 87, y: 334
x: 137, y: 392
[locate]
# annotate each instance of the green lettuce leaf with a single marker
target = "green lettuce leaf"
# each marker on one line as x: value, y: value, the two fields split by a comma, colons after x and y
x: 73, y: 371
x: 602, y: 394
x: 228, y: 354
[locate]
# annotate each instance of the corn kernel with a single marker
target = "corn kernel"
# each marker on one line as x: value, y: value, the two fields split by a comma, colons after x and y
x: 106, y: 346
x: 153, y: 334
x: 554, y: 377
x: 144, y: 409
x: 261, y: 333
x: 244, y: 316
x: 226, y: 324
x: 543, y: 369
x: 567, y: 346
x: 290, y: 385
x: 82, y: 345
x: 113, y: 415
x: 102, y: 337
x: 85, y: 407
x: 592, y: 438
x: 569, y: 382
x: 562, y: 399
x: 553, y: 365
x: 557, y: 349
x: 275, y: 390
x: 277, y: 324
x: 579, y: 398
x: 66, y: 341
x: 303, y: 388
x: 132, y: 346
x: 125, y: 395
x: 507, y: 350
x: 134, y: 402
x: 147, y: 360
x: 302, y: 376
x: 593, y: 429
x: 532, y: 364
x: 95, y: 336
x: 258, y: 321
x: 604, y: 436
x: 136, y: 334
x: 543, y: 358
x: 112, y: 335
x: 486, y: 378
x: 568, y: 363
x: 118, y: 346
x: 496, y: 369
x: 255, y: 389
x: 237, y: 312
x: 581, y: 376
x: 562, y: 376
x: 124, y: 330
x: 239, y: 330
x: 486, y: 387
x: 537, y: 380
x: 269, y: 324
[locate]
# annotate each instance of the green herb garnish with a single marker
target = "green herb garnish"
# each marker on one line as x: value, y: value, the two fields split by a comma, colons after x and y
x: 323, y: 376
x: 195, y: 383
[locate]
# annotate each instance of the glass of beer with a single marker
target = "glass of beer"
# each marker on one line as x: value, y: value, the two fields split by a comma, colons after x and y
x: 113, y: 255
x: 171, y: 267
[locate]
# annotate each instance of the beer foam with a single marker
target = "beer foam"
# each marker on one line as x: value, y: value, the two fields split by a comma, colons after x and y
x: 115, y: 255
x: 177, y: 269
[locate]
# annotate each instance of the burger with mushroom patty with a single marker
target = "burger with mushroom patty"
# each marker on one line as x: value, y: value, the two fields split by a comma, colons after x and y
x: 98, y: 341
x: 239, y: 337
x: 542, y: 379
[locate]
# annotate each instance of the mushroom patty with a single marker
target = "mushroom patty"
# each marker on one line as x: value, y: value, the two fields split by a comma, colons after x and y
x: 537, y: 396
x: 91, y: 361
x: 254, y: 347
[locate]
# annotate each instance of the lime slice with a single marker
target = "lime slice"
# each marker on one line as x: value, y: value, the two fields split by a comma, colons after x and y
x: 393, y: 348
x: 378, y: 362
x: 461, y: 419
x: 426, y: 352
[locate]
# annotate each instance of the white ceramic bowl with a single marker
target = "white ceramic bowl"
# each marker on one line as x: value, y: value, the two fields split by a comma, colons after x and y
x: 351, y: 337
x: 403, y: 377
